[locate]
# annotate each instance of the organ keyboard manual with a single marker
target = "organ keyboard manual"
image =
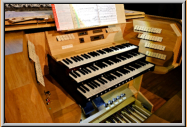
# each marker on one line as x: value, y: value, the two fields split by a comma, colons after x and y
x: 100, y: 70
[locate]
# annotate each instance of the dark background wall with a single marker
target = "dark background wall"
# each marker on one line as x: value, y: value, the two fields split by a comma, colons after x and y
x: 165, y: 10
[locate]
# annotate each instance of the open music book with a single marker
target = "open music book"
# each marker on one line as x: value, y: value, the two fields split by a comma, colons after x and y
x: 73, y: 16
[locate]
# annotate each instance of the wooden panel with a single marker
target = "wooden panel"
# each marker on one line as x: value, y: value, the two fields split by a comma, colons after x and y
x: 28, y: 26
x: 25, y: 100
x: 58, y: 53
x: 13, y: 42
x: 153, y: 98
x: 24, y: 106
x: 120, y: 13
x: 145, y: 101
x: 17, y: 71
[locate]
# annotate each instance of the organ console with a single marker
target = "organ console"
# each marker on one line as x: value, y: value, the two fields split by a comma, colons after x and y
x: 102, y: 75
x: 101, y: 70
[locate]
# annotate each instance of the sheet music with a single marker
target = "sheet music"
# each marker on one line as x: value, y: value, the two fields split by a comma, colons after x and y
x: 70, y: 16
x: 84, y: 15
x: 107, y: 14
x: 63, y: 17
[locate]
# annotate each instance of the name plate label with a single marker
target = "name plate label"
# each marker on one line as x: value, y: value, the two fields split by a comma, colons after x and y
x: 67, y: 46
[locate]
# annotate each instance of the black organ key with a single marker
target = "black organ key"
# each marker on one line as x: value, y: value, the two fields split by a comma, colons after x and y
x: 84, y: 56
x: 142, y: 64
x: 69, y: 60
x: 73, y: 74
x: 80, y: 70
x: 85, y: 88
x: 103, y: 80
x: 116, y: 74
x: 90, y: 86
x: 87, y: 56
x: 124, y: 71
x: 129, y: 68
x: 107, y: 77
x: 122, y: 58
x: 95, y: 67
x: 88, y: 70
x: 135, y: 65
x: 101, y: 52
x: 76, y: 73
x: 100, y: 81
x: 73, y: 59
x: 133, y: 53
x: 113, y: 76
x: 80, y: 58
x: 84, y: 71
x: 65, y: 61
x: 104, y: 64
x: 76, y: 57
x: 82, y: 89
x: 114, y: 48
x: 95, y: 83
x: 92, y: 68
x: 109, y: 62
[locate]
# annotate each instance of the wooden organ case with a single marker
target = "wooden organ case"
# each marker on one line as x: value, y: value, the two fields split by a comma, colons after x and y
x: 100, y: 70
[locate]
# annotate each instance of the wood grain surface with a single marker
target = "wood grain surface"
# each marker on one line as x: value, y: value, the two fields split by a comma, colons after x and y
x: 25, y: 101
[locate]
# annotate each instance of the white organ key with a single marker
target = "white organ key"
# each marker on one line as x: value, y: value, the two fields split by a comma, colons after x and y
x: 129, y: 116
x: 126, y: 118
x: 138, y: 117
x: 138, y: 108
x: 121, y: 120
x: 139, y: 113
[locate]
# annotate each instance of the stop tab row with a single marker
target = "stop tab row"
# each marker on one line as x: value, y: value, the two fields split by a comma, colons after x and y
x: 65, y: 37
x: 156, y: 55
x: 150, y: 37
x: 147, y: 29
